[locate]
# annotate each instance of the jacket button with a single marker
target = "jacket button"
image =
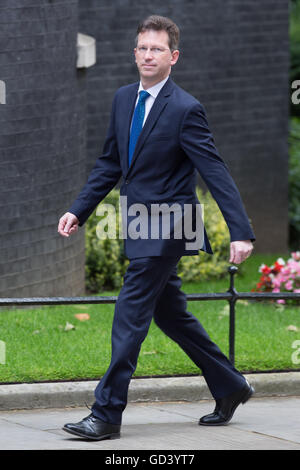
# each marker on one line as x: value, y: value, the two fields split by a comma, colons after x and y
x: 126, y: 181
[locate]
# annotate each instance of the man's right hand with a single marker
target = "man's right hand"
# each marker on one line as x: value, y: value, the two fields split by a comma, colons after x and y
x: 68, y: 224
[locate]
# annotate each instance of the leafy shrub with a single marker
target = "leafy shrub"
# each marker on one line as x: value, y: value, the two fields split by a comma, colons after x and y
x: 294, y: 183
x: 106, y: 262
x: 294, y: 140
x: 294, y: 49
x: 105, y: 259
x: 206, y: 266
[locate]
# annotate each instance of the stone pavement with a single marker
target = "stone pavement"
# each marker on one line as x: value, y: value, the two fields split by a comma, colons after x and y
x: 162, y: 414
x: 270, y: 423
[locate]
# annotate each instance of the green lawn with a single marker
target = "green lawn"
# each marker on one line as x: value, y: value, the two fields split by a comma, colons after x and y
x: 39, y: 348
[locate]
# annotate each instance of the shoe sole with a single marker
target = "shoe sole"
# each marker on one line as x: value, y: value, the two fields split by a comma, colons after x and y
x: 246, y: 397
x: 84, y: 436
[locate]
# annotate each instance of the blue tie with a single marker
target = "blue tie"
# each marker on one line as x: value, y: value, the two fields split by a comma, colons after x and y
x: 137, y: 123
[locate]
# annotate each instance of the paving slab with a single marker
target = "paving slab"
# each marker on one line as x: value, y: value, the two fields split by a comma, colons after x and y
x: 270, y: 423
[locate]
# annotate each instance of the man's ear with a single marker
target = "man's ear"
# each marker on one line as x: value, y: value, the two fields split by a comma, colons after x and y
x: 175, y: 57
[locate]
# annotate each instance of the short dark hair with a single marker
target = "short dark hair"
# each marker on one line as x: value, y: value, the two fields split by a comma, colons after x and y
x: 161, y: 23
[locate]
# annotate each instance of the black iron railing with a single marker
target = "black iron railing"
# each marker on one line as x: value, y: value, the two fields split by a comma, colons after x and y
x: 231, y: 295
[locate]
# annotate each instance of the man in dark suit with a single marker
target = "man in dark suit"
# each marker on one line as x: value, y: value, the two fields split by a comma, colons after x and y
x: 157, y: 138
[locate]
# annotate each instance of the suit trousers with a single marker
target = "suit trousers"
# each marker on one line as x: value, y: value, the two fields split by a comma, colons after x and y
x: 151, y: 290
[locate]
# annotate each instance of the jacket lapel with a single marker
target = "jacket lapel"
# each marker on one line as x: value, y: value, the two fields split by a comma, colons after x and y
x: 127, y: 112
x: 159, y: 104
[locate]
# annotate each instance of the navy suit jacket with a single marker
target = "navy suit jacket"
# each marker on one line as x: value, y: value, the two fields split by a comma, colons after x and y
x: 174, y: 144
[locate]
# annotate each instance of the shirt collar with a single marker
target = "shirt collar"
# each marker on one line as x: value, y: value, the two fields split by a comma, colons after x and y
x: 154, y: 90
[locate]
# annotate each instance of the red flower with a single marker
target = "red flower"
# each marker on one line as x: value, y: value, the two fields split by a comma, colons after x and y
x: 277, y: 267
x: 266, y: 270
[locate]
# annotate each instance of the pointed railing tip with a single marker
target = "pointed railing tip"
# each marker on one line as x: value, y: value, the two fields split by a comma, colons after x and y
x: 232, y: 269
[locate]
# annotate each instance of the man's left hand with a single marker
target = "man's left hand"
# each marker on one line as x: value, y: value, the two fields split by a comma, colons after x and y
x: 240, y: 250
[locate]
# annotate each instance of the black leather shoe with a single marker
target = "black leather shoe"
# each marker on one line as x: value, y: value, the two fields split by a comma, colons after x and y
x: 225, y: 407
x: 93, y: 428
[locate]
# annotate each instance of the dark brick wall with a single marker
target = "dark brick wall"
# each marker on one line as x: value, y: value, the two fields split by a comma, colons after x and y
x: 42, y: 147
x: 235, y: 60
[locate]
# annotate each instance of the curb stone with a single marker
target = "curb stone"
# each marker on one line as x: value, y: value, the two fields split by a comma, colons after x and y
x: 75, y: 394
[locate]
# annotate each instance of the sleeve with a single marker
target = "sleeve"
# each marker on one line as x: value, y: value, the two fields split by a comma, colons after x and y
x: 103, y: 177
x: 198, y: 144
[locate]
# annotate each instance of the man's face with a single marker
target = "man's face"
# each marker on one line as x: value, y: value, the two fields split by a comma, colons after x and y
x: 153, y: 56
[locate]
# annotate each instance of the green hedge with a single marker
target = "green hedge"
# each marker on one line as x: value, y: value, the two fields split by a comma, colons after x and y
x: 106, y: 263
x: 205, y: 266
x: 294, y: 139
x: 294, y: 32
x: 294, y: 182
x: 105, y: 259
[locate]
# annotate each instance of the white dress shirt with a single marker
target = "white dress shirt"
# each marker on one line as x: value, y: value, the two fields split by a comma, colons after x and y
x: 153, y: 91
